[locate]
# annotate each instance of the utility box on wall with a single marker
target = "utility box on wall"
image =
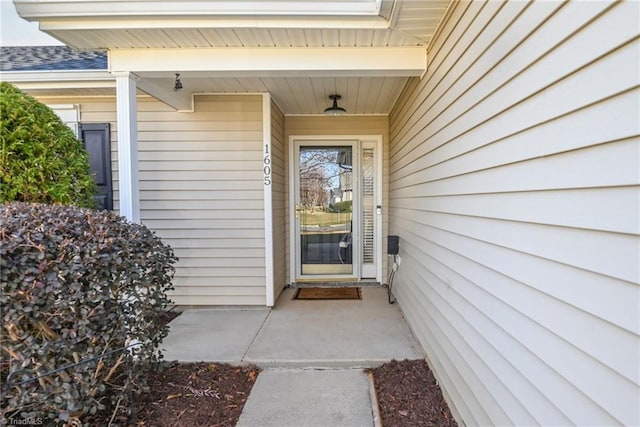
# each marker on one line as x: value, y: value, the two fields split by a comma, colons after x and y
x: 393, y: 245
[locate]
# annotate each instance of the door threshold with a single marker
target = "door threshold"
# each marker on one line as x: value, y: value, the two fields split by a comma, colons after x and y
x: 328, y: 279
x: 334, y: 284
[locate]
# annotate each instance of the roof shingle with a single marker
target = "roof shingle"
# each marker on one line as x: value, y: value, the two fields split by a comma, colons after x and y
x: 50, y: 58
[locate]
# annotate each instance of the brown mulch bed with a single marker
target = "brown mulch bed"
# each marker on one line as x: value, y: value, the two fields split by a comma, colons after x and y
x: 409, y: 396
x: 167, y: 317
x: 196, y: 394
x: 192, y: 394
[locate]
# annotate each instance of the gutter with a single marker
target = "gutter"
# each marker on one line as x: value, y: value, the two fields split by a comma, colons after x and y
x: 81, y: 79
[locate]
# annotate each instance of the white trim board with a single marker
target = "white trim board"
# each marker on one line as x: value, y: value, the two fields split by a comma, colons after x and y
x: 268, y: 201
x: 278, y: 62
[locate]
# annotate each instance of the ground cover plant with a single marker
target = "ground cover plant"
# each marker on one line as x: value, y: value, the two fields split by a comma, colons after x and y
x: 82, y: 292
x: 41, y: 160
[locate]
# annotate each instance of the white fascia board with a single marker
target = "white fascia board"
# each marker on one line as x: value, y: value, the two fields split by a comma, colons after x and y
x: 282, y: 62
x: 37, y: 9
x: 59, y: 79
x: 162, y: 22
x: 35, y: 76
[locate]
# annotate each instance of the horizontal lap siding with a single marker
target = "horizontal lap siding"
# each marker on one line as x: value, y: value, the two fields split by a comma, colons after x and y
x: 201, y: 191
x: 514, y: 189
x: 278, y: 177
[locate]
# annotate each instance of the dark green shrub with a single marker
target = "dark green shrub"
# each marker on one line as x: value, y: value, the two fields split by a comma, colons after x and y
x: 78, y: 283
x: 40, y: 160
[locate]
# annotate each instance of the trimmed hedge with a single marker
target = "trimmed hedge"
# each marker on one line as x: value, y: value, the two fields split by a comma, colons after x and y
x: 41, y: 160
x: 77, y: 284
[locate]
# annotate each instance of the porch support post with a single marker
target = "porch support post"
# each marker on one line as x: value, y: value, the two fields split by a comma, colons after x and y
x: 268, y: 202
x: 127, y: 107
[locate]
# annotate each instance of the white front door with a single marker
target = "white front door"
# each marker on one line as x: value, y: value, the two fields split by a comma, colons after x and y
x: 336, y: 209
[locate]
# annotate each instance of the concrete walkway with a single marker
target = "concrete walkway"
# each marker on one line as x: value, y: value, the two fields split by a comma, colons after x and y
x: 309, y: 398
x: 312, y: 352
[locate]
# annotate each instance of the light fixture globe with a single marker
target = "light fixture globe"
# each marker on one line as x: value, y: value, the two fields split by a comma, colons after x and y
x: 334, y: 110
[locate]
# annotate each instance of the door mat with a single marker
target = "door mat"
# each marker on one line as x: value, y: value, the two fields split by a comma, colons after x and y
x: 328, y: 293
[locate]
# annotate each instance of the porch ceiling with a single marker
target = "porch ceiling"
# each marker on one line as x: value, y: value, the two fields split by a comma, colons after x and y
x: 294, y: 95
x: 255, y: 24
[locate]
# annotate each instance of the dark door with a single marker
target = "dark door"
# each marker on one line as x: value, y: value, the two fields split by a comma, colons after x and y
x: 95, y: 137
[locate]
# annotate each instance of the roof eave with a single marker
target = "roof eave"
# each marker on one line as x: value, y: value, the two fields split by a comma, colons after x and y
x: 45, y: 79
x: 38, y: 10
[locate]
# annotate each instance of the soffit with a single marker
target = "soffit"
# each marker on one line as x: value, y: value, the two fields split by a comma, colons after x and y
x: 300, y: 95
x: 240, y: 23
x: 324, y: 24
x: 233, y: 37
x: 293, y: 95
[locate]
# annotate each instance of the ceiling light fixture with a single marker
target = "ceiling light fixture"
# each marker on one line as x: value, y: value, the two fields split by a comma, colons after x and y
x: 177, y: 87
x: 334, y: 110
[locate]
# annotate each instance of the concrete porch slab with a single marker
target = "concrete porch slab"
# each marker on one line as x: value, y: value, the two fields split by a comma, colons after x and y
x: 213, y: 335
x: 333, y: 333
x: 296, y: 333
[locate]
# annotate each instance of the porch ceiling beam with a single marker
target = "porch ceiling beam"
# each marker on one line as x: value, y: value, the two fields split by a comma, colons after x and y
x: 181, y: 101
x: 280, y: 62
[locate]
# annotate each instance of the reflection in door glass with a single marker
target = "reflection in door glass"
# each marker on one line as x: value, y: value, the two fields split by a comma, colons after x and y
x: 325, y: 210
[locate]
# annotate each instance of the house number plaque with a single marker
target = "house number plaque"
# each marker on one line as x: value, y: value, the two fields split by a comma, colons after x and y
x: 267, y: 165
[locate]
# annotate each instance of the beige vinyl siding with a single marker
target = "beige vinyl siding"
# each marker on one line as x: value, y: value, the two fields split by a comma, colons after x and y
x: 514, y: 189
x: 345, y: 125
x: 278, y: 178
x: 201, y: 190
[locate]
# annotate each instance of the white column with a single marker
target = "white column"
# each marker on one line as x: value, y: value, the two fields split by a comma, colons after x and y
x: 268, y: 206
x: 127, y: 107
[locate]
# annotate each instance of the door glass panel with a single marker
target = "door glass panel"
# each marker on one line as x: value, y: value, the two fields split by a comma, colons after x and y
x: 324, y: 210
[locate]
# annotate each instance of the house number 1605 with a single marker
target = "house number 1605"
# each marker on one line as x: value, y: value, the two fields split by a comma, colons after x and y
x: 267, y: 165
